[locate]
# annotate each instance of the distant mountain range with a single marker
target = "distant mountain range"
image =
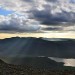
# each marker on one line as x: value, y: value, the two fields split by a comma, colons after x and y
x: 14, y: 48
x: 21, y: 47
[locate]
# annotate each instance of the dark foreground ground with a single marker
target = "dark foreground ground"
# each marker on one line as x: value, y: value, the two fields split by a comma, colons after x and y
x: 9, y: 69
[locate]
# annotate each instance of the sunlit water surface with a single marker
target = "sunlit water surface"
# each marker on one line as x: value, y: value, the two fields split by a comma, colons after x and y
x: 67, y: 62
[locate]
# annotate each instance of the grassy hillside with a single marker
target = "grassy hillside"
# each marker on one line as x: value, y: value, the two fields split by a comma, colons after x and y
x: 41, y: 66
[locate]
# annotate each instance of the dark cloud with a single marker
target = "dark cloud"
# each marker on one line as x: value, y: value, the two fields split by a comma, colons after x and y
x: 27, y: 0
x: 51, y: 28
x: 18, y: 24
x: 46, y: 17
x: 51, y: 0
x: 53, y: 14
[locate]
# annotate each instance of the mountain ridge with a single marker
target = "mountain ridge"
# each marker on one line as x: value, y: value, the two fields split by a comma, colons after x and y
x: 30, y: 46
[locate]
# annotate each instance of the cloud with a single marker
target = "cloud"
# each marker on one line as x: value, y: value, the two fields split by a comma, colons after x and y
x: 39, y: 12
x: 18, y: 24
x: 54, y: 14
x: 51, y: 0
x: 52, y: 29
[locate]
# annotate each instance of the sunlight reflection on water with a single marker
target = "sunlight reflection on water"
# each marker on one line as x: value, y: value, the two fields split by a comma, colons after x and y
x: 67, y: 62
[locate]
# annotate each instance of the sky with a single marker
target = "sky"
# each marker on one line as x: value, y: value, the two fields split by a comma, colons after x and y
x: 48, y: 17
x: 5, y: 12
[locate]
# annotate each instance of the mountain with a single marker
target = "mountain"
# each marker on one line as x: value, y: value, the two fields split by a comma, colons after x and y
x: 21, y: 47
x: 36, y: 62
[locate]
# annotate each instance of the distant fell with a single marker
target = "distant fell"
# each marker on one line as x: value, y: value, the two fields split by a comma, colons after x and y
x: 34, y: 47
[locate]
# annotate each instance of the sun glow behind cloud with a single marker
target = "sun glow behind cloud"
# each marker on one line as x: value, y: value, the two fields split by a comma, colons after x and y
x: 37, y: 35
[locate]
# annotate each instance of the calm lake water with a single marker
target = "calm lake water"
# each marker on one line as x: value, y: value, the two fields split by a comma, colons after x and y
x: 67, y: 62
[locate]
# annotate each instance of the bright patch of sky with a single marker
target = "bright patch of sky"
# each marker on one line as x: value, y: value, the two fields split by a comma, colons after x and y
x: 5, y: 12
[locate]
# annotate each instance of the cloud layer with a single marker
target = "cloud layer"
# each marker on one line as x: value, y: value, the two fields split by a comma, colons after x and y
x: 18, y: 24
x: 38, y: 15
